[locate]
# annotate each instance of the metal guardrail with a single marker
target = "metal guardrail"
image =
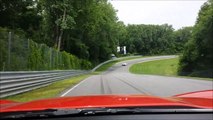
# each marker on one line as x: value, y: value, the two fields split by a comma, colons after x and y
x: 95, y: 68
x: 12, y: 83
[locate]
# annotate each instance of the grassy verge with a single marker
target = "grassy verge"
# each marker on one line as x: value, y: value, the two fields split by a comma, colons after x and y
x: 109, y: 64
x: 164, y: 67
x: 158, y: 67
x: 49, y: 91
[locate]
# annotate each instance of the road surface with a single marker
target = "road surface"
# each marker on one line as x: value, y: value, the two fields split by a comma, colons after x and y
x: 118, y: 80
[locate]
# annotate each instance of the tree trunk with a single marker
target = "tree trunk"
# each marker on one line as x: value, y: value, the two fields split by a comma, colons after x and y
x: 56, y: 35
x: 61, y: 31
x: 59, y: 39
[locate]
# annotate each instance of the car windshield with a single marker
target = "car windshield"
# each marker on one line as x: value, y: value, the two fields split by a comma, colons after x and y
x: 137, y: 52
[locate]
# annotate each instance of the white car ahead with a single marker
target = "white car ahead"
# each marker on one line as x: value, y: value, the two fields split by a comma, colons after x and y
x: 124, y: 64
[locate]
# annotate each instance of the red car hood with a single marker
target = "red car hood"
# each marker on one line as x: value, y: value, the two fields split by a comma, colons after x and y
x: 201, y: 99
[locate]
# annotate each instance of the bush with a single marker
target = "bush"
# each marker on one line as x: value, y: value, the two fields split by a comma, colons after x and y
x: 26, y: 54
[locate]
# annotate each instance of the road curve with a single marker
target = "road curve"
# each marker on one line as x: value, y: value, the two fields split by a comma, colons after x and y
x: 118, y: 80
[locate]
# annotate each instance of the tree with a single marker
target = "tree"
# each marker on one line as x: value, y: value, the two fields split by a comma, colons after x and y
x: 197, y: 57
x: 94, y: 36
x: 150, y: 39
x: 20, y: 14
x: 181, y: 37
x: 58, y: 17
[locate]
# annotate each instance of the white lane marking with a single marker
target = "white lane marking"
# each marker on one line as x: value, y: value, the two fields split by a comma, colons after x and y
x: 72, y: 88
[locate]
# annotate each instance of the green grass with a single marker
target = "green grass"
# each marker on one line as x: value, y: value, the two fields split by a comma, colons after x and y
x: 166, y: 67
x: 49, y: 91
x: 106, y: 66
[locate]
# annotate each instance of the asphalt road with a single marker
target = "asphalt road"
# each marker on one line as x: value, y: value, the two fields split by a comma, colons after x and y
x: 118, y: 80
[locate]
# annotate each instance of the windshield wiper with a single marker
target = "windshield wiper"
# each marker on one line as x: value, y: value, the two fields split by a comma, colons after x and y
x: 99, y: 111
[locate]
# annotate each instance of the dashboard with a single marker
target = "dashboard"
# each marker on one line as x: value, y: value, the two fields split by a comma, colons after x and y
x: 202, y: 116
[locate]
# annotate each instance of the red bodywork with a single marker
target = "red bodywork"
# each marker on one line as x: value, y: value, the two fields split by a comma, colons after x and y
x: 201, y: 99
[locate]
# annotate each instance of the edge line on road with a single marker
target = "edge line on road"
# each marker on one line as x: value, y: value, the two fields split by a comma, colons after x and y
x: 72, y: 88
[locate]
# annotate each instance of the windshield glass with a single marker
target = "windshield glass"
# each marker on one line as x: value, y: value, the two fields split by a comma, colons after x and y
x: 106, y: 48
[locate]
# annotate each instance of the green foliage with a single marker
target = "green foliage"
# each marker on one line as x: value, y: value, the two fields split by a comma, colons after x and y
x: 20, y: 14
x: 35, y: 60
x: 87, y: 29
x: 27, y: 55
x: 17, y: 52
x: 90, y: 30
x: 86, y: 64
x: 197, y: 57
x: 3, y: 49
x: 154, y: 39
x: 39, y: 60
x: 181, y: 37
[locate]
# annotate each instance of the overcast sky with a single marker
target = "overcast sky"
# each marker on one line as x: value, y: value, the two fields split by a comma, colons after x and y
x: 178, y: 13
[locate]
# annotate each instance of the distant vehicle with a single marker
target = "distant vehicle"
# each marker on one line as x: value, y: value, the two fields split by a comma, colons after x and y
x: 124, y: 64
x: 189, y: 106
x: 113, y: 56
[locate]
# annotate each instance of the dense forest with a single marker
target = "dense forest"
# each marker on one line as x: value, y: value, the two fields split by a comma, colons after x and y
x: 85, y: 28
x: 155, y: 39
x: 90, y: 30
